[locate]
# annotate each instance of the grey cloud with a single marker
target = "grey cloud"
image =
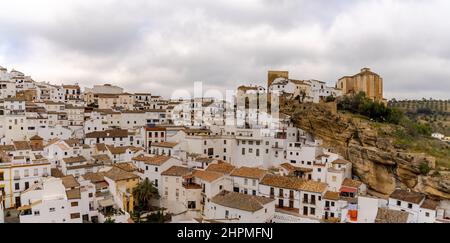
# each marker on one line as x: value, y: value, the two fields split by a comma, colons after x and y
x: 165, y: 45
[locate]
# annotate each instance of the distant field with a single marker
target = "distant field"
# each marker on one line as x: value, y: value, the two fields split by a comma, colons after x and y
x: 435, y: 113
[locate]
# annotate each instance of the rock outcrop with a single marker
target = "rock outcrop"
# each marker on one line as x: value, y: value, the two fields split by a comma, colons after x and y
x: 376, y: 161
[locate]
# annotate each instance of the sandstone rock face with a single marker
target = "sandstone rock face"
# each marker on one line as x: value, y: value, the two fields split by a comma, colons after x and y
x: 375, y: 159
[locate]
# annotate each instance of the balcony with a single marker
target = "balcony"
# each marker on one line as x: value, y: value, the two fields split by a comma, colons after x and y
x: 16, y: 178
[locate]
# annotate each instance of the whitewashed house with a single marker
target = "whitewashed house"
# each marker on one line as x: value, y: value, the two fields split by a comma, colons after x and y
x: 232, y: 207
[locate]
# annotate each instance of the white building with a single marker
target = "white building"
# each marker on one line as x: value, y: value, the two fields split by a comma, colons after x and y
x: 246, y: 180
x: 406, y: 201
x: 232, y: 207
x: 151, y: 168
x: 50, y: 202
x: 439, y: 136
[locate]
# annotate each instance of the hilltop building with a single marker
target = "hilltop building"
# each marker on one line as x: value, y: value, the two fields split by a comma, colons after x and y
x: 366, y: 81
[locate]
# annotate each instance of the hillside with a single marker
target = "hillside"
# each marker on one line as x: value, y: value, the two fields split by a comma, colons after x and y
x: 382, y: 156
x: 434, y: 113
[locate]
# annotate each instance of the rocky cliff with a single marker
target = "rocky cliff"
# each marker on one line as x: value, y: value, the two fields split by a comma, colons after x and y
x: 376, y: 161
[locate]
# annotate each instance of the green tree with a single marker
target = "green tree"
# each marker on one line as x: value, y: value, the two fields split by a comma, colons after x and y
x: 424, y: 168
x: 110, y: 221
x: 143, y: 194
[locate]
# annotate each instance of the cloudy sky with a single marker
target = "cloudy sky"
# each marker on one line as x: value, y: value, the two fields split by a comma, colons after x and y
x: 163, y: 45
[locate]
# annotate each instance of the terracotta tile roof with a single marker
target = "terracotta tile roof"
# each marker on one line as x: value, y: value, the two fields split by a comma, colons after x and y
x: 128, y: 166
x: 388, y: 216
x: 314, y: 186
x: 430, y: 204
x: 176, y: 171
x: 157, y: 129
x: 37, y: 147
x: 156, y: 160
x: 403, y: 195
x: 164, y: 145
x: 73, y: 194
x: 351, y: 183
x: 341, y: 162
x: 221, y: 167
x: 71, y: 86
x: 241, y: 201
x: 70, y: 182
x: 102, y: 159
x: 291, y: 168
x: 208, y: 176
x: 247, y: 172
x: 36, y: 137
x: 54, y: 172
x: 22, y: 145
x: 94, y: 177
x: 78, y: 159
x: 100, y: 147
x: 7, y: 148
x: 335, y: 196
x: 108, y: 134
x: 117, y: 150
x: 73, y: 142
x: 117, y: 174
x: 84, y: 166
x: 292, y: 183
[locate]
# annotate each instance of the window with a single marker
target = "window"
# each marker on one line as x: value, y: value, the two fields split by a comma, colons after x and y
x: 227, y: 214
x: 36, y: 213
x: 191, y: 205
x: 17, y: 186
x: 399, y: 203
x: 254, y: 182
x: 2, y: 176
x: 243, y: 151
x: 312, y: 211
x: 91, y: 195
x: 410, y: 206
x: 75, y: 215
x: 427, y: 214
x: 245, y: 181
x: 257, y: 152
x: 156, y: 182
x: 74, y: 204
x: 156, y: 169
x: 52, y: 210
